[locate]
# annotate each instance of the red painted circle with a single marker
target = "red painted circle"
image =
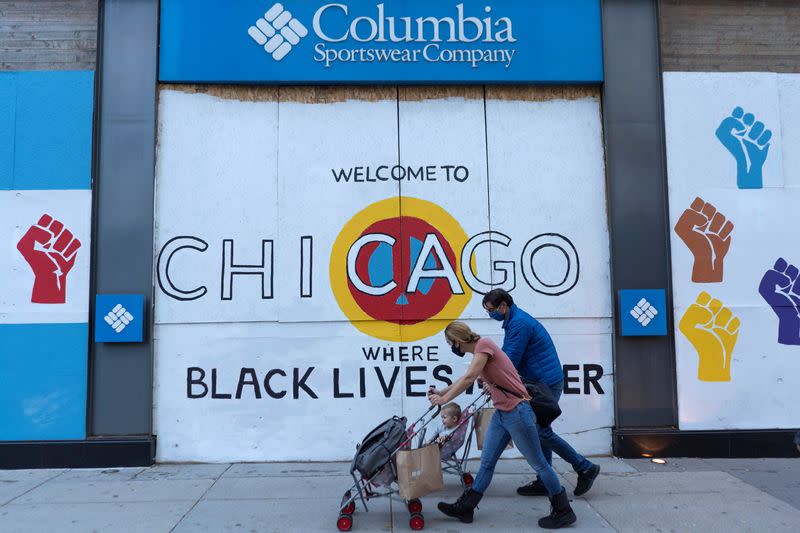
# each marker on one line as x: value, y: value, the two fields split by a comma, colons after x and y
x: 390, y: 307
x: 417, y: 522
x: 349, y: 508
x: 415, y: 506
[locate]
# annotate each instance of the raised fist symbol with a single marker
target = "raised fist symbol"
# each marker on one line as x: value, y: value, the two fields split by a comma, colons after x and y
x: 50, y: 249
x: 748, y: 142
x: 712, y: 329
x: 707, y: 233
x: 781, y: 289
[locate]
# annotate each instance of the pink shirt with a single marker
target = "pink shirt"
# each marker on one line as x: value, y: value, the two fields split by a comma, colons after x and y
x: 499, y: 370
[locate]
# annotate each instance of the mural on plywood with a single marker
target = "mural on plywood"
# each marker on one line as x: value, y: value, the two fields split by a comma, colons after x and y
x: 312, y: 244
x: 741, y: 187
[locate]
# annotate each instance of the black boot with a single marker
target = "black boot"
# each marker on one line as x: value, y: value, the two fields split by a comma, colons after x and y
x: 560, y: 512
x: 534, y: 488
x: 463, y: 507
x: 586, y: 479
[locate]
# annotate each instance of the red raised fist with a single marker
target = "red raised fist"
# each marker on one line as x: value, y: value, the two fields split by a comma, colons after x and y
x: 50, y: 249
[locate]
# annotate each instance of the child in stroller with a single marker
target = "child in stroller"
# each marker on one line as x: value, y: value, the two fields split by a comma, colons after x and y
x: 451, y: 434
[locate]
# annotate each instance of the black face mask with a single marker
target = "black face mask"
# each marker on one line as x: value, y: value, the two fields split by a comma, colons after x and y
x: 456, y: 350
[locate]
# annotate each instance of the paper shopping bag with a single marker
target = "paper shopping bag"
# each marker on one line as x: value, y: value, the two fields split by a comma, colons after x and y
x: 419, y: 472
x: 482, y: 419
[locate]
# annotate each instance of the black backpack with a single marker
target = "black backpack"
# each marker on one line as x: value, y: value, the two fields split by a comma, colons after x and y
x: 378, y: 446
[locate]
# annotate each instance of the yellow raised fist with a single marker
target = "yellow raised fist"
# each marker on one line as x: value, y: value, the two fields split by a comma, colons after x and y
x: 712, y: 329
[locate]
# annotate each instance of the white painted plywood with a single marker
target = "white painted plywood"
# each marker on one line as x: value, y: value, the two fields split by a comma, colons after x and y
x: 547, y: 177
x: 446, y: 133
x: 697, y: 105
x: 216, y: 181
x: 38, y: 219
x: 789, y: 105
x: 327, y: 428
x: 734, y: 370
x: 316, y: 141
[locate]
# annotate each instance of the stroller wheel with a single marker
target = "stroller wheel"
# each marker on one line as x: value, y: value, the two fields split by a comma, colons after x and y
x: 417, y: 522
x: 345, y: 522
x: 414, y: 506
x: 467, y: 479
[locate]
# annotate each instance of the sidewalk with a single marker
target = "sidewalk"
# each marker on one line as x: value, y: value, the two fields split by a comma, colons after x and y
x: 684, y: 495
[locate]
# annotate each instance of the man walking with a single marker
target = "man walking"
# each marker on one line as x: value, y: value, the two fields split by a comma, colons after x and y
x: 533, y: 353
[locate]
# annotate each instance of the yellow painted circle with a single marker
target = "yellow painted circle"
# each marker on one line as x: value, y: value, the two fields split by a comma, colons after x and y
x: 352, y: 230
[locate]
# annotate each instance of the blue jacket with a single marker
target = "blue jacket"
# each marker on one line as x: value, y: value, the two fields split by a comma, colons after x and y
x: 530, y: 348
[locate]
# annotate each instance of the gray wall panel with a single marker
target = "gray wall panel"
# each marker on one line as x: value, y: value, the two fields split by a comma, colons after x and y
x: 633, y: 122
x: 48, y: 35
x: 122, y: 374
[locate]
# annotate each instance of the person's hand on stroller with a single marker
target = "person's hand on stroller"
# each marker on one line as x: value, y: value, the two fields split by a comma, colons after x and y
x: 435, y: 399
x: 435, y: 396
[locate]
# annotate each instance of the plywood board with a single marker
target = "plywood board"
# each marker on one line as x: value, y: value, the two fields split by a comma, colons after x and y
x: 732, y: 209
x: 547, y: 195
x: 216, y: 208
x: 442, y: 136
x: 329, y: 155
x: 33, y: 291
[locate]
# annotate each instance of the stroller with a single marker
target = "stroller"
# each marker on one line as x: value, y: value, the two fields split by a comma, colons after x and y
x: 374, y: 471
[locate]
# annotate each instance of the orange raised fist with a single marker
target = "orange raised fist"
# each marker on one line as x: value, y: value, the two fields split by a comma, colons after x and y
x: 707, y: 234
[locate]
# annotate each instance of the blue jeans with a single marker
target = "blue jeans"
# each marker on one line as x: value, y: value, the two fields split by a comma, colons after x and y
x: 553, y: 443
x: 518, y: 424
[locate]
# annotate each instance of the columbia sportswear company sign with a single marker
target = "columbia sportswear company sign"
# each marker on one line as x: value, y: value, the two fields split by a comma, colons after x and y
x: 400, y: 41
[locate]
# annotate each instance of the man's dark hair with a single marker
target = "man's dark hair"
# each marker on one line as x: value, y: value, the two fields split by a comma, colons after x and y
x: 497, y: 296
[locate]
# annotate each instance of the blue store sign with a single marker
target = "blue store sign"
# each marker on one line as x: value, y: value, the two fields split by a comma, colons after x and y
x: 373, y: 41
x: 118, y: 318
x: 643, y: 312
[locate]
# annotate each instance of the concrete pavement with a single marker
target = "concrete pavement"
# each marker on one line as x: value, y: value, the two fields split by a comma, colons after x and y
x: 683, y: 495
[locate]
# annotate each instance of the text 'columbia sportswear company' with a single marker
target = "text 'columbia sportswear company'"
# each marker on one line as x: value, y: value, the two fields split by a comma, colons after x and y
x: 367, y: 41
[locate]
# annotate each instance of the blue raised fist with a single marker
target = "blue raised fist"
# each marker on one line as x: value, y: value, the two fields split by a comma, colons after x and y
x: 748, y: 142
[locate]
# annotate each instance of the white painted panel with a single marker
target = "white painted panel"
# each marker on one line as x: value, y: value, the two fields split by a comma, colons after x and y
x: 327, y: 428
x: 789, y: 92
x: 737, y: 374
x: 446, y: 135
x: 762, y: 233
x: 216, y: 181
x: 547, y: 176
x: 67, y: 296
x: 317, y: 140
x: 762, y: 392
x: 695, y: 106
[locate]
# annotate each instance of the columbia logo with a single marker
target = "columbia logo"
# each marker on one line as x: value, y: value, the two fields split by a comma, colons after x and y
x: 278, y: 31
x: 644, y: 312
x: 118, y: 318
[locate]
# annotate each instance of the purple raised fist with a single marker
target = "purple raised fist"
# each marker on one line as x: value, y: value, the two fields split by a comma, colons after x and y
x: 781, y: 289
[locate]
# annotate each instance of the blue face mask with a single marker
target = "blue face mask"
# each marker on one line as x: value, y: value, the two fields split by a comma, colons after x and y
x: 497, y: 315
x: 456, y: 350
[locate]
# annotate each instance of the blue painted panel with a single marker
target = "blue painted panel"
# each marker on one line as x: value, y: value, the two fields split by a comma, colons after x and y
x: 51, y: 131
x: 43, y: 380
x: 549, y: 41
x: 8, y: 100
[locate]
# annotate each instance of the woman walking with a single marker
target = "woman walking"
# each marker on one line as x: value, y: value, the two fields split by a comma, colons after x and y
x: 513, y: 419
